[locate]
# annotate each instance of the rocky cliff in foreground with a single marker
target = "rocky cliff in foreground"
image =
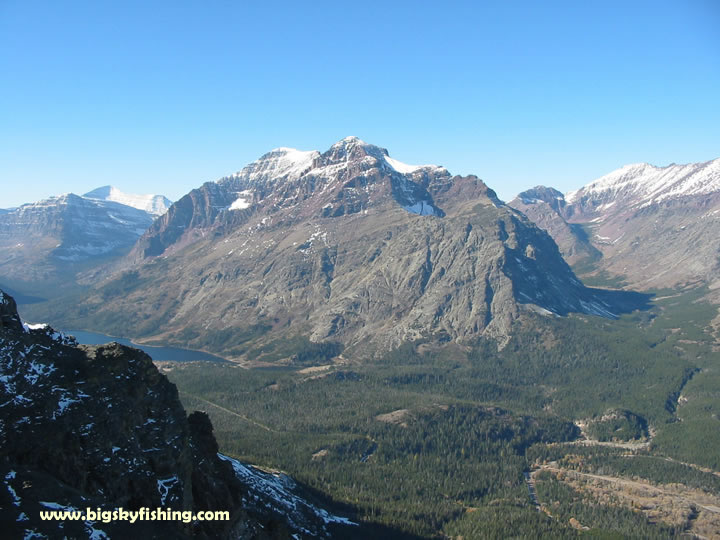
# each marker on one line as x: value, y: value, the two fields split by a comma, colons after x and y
x: 99, y: 427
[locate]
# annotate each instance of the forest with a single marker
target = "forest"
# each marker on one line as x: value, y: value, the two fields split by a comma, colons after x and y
x: 436, y: 440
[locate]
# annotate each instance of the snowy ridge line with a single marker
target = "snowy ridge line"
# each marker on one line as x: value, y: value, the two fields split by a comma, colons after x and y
x: 404, y: 168
x: 280, y: 176
x: 107, y: 197
x: 650, y: 184
x: 291, y: 163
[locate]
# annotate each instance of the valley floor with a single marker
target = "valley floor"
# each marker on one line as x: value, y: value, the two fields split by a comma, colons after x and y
x: 610, y: 424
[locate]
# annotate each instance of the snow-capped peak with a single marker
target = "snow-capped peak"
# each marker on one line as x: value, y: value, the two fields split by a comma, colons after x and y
x: 152, y: 204
x: 352, y: 139
x: 290, y: 163
x: 647, y: 183
x: 354, y: 148
x: 380, y: 153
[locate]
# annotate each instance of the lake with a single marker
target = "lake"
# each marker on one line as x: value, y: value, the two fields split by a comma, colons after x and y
x: 172, y: 354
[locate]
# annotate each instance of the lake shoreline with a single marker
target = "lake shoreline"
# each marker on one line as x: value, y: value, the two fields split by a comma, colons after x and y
x: 159, y: 353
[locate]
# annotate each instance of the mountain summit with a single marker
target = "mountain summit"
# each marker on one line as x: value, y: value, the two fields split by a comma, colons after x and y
x: 344, y: 248
x: 640, y: 185
x: 155, y: 205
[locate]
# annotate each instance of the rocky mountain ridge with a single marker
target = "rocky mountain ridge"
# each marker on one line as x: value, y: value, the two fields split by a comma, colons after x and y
x: 100, y: 427
x: 299, y: 185
x: 653, y: 227
x: 50, y: 242
x: 640, y: 184
x: 348, y: 246
x: 546, y: 206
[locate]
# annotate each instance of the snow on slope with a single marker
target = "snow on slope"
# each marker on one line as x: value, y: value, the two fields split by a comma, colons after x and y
x: 242, y: 201
x: 646, y: 184
x: 288, y: 164
x: 277, y: 489
x: 156, y: 205
x: 291, y: 164
x: 422, y: 208
x: 279, y: 163
x: 404, y: 168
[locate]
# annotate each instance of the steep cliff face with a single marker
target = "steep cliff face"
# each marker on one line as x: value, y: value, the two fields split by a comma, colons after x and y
x: 291, y: 186
x: 546, y: 208
x: 347, y: 246
x: 99, y: 427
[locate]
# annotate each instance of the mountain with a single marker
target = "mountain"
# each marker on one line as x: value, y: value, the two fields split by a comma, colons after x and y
x: 545, y: 206
x: 346, y: 248
x: 653, y: 227
x: 101, y: 428
x: 49, y: 242
x: 155, y: 205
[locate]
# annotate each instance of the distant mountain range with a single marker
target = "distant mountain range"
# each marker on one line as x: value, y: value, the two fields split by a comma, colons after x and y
x: 53, y: 239
x: 351, y: 246
x: 347, y: 248
x: 653, y: 227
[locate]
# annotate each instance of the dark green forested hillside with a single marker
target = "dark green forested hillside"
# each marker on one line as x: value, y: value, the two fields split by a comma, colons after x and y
x: 434, y: 440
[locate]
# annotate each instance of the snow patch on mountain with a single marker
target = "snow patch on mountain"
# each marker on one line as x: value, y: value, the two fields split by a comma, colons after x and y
x: 401, y: 167
x: 164, y: 486
x: 422, y: 208
x: 156, y: 205
x: 243, y: 201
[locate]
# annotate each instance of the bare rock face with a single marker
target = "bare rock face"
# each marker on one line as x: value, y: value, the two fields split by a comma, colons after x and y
x: 9, y: 318
x: 349, y: 247
x: 100, y: 427
x: 546, y: 207
x: 96, y: 427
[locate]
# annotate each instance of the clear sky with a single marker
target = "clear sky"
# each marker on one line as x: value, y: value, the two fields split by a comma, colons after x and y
x: 161, y: 96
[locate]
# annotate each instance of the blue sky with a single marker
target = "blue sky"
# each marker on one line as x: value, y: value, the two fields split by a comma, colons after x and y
x: 162, y: 96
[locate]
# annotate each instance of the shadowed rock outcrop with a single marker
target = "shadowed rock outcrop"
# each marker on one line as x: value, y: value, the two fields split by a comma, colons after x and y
x: 100, y: 427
